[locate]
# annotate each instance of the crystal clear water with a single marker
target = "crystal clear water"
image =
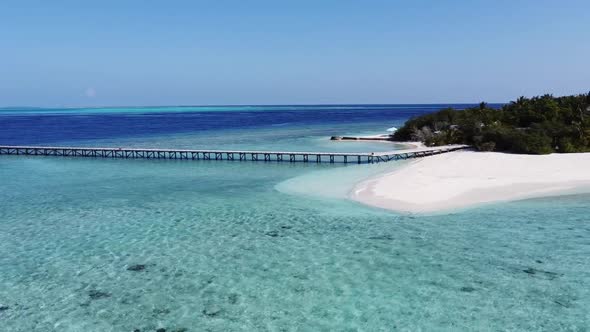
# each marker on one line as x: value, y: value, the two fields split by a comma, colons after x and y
x: 119, y: 245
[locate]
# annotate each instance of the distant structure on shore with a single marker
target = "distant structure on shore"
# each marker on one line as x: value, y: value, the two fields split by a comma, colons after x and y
x: 362, y: 138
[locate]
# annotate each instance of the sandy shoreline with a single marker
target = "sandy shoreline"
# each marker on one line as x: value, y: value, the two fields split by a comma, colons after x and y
x: 463, y: 179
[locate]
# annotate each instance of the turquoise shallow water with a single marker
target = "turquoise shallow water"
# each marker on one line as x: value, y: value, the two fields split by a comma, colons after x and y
x: 120, y: 245
x: 225, y: 251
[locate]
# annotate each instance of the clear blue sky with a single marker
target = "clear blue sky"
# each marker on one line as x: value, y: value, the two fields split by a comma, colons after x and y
x: 125, y: 52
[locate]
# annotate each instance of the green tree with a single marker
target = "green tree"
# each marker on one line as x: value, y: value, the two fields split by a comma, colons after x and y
x: 537, y: 125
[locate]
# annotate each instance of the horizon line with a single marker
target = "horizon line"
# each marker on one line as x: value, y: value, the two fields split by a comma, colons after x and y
x: 247, y: 105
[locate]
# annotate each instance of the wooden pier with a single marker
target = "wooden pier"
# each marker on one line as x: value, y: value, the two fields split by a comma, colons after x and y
x: 268, y: 156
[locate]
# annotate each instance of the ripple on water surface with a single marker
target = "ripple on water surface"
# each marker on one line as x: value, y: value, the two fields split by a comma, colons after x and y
x: 115, y: 245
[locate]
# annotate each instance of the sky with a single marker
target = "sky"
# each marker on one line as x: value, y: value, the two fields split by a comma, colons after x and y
x: 131, y: 53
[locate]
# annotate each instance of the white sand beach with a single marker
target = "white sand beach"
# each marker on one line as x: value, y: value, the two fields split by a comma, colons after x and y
x: 462, y: 179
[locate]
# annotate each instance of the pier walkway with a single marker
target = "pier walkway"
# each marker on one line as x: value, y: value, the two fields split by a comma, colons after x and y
x: 277, y: 156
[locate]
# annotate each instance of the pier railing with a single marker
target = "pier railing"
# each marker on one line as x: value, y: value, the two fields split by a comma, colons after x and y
x: 268, y: 156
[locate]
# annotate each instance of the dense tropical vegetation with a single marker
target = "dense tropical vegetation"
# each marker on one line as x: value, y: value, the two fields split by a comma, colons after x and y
x: 537, y: 125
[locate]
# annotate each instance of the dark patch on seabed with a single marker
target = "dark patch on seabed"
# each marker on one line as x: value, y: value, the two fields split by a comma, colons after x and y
x: 161, y: 329
x: 97, y: 294
x: 381, y: 237
x: 136, y: 267
x: 467, y: 289
x: 562, y: 303
x: 233, y: 298
x: 272, y: 233
x: 540, y: 273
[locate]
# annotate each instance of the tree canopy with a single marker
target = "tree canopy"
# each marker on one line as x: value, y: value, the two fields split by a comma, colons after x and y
x: 538, y: 125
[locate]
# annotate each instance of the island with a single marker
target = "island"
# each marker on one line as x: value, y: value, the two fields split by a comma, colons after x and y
x: 532, y: 147
x: 538, y: 125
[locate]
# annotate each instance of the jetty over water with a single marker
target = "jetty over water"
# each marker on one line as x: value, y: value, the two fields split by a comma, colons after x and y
x: 268, y: 156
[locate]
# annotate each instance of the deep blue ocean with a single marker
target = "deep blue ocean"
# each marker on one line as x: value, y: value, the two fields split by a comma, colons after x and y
x: 45, y: 126
x: 139, y: 245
